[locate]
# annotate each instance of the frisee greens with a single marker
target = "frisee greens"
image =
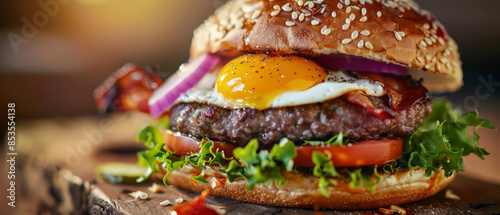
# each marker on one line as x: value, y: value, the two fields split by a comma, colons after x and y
x: 439, y: 142
x: 442, y: 139
x: 156, y: 155
x: 263, y: 166
x: 337, y: 140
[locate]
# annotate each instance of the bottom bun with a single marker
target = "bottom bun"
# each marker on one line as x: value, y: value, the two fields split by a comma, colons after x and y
x: 301, y: 190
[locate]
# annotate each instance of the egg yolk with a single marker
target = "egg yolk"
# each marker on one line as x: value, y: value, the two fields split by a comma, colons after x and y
x: 255, y: 80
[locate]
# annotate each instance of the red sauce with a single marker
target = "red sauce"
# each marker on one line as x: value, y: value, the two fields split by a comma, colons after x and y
x: 197, y: 206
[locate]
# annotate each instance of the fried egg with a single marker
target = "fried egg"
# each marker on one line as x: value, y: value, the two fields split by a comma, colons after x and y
x: 261, y: 82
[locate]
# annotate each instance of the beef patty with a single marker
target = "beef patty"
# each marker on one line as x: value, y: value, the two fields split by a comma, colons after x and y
x: 319, y: 121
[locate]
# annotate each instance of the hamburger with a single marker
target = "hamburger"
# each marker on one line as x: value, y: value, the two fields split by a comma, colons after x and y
x: 321, y: 104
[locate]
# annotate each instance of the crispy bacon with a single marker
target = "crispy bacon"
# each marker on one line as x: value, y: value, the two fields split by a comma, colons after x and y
x: 401, y: 90
x: 129, y: 88
x: 363, y: 101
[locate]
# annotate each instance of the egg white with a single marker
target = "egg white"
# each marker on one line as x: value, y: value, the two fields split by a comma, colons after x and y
x: 336, y: 84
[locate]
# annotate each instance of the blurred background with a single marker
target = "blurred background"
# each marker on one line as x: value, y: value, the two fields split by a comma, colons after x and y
x: 53, y: 53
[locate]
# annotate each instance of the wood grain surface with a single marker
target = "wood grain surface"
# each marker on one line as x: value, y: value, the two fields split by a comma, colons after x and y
x: 56, y: 172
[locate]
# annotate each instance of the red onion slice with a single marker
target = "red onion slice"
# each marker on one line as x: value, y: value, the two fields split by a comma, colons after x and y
x: 184, y: 79
x: 348, y: 62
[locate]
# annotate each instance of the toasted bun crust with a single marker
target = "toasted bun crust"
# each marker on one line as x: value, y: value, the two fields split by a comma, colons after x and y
x: 303, y: 191
x: 397, y: 32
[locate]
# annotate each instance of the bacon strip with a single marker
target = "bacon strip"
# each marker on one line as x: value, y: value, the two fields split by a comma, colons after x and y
x: 402, y: 93
x: 363, y: 101
x: 127, y: 89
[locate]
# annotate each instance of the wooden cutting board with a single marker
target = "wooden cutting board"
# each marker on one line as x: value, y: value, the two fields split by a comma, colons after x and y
x: 56, y: 174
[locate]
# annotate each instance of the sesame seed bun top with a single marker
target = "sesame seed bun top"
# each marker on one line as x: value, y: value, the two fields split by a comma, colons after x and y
x: 393, y: 31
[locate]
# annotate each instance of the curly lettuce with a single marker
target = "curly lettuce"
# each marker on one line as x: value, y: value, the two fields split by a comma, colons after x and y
x: 442, y: 139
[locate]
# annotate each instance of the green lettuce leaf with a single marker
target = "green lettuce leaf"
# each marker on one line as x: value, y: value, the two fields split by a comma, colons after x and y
x: 263, y: 166
x: 442, y: 139
x: 156, y: 154
x: 337, y: 140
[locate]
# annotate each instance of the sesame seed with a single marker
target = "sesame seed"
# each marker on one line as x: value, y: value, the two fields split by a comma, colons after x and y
x: 348, y: 9
x: 442, y: 60
x: 427, y: 66
x: 300, y: 3
x: 340, y: 6
x: 323, y: 10
x: 311, y: 4
x: 302, y: 17
x: 438, y: 67
x: 347, y: 2
x: 428, y: 41
x: 420, y: 59
x: 401, y: 8
x: 426, y: 26
x: 346, y: 41
x: 354, y: 35
x: 352, y: 17
x: 433, y: 40
x: 363, y: 11
x: 324, y: 28
x: 256, y: 14
x: 290, y: 23
x: 355, y: 7
x: 314, y: 22
x: 421, y: 46
x: 363, y: 19
x: 402, y: 34
x: 288, y: 8
x: 327, y: 31
x: 295, y: 15
x: 428, y: 57
x: 441, y: 41
x: 345, y: 26
x: 334, y: 14
x: 277, y: 7
x: 361, y: 43
x: 275, y: 13
x: 369, y: 45
x: 369, y: 1
x: 379, y: 14
x: 398, y: 37
x: 362, y: 2
x: 365, y: 33
x: 422, y: 43
x: 348, y: 21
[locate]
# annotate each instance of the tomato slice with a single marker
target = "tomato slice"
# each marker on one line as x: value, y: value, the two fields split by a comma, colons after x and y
x: 183, y: 145
x: 363, y: 153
